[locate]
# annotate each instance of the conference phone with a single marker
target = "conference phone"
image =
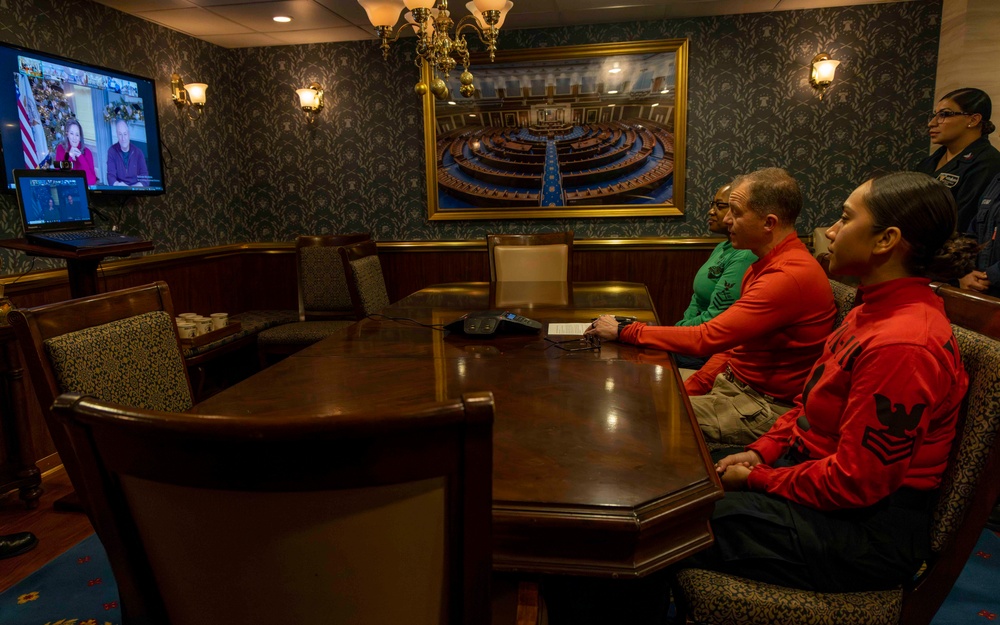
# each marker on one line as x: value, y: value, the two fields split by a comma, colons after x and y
x: 492, y: 322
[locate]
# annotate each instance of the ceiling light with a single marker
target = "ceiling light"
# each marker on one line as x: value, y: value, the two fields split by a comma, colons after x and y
x: 665, y: 91
x: 655, y: 104
x: 615, y: 69
x: 612, y: 92
x: 451, y: 103
x: 284, y: 19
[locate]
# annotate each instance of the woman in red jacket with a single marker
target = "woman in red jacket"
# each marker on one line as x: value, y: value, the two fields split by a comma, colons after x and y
x: 837, y: 495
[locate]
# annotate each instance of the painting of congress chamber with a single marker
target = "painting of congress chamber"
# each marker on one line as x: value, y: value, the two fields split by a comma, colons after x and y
x: 597, y: 130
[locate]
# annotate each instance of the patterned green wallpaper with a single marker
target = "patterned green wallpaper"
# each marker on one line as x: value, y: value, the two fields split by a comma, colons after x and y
x: 253, y: 170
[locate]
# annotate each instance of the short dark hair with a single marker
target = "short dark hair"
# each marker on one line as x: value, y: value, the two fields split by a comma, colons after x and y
x: 772, y: 190
x: 925, y: 212
x: 972, y: 100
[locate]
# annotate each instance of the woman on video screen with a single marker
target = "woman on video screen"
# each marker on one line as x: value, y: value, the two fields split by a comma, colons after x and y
x: 74, y: 151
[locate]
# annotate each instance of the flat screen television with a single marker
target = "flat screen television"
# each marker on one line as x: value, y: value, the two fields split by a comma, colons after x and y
x: 59, y: 113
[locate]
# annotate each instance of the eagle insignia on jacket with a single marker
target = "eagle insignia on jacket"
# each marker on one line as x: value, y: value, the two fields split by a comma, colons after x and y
x: 896, y: 442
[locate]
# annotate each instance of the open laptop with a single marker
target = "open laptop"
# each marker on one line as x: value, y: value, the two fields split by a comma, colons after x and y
x: 55, y: 212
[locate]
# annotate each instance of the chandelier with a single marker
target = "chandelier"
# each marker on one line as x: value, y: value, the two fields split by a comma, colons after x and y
x: 436, y: 45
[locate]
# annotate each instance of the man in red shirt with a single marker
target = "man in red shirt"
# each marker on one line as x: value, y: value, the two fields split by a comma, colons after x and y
x: 765, y: 343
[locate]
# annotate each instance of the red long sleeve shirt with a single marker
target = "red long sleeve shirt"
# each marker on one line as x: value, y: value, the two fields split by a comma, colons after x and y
x: 770, y: 337
x: 879, y: 409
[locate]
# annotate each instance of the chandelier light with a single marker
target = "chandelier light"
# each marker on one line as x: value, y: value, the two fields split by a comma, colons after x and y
x: 436, y: 44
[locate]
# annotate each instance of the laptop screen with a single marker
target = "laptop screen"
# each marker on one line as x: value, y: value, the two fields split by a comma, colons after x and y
x: 52, y: 200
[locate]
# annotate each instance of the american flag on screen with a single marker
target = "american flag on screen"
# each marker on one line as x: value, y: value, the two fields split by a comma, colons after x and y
x: 27, y: 114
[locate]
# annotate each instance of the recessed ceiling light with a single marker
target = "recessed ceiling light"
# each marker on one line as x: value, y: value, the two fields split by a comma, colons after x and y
x: 612, y: 92
x: 655, y: 104
x: 451, y: 103
x: 611, y: 105
x: 284, y: 19
x: 665, y: 91
x: 472, y: 114
x: 615, y: 69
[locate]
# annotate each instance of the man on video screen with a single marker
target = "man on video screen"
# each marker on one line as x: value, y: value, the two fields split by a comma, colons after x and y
x: 126, y: 167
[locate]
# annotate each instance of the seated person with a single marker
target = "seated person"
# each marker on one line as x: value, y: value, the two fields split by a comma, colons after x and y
x: 126, y: 163
x: 717, y: 283
x: 74, y: 151
x: 838, y: 494
x: 765, y: 343
x: 985, y: 278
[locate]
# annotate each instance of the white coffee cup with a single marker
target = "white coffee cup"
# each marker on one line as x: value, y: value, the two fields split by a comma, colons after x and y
x: 204, y: 325
x: 186, y: 330
x: 220, y: 320
x: 188, y: 315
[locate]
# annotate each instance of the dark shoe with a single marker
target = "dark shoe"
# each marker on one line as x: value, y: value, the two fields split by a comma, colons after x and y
x: 993, y: 522
x: 15, y: 544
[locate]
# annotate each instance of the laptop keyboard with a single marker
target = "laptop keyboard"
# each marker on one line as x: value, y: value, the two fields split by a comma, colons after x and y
x: 78, y: 235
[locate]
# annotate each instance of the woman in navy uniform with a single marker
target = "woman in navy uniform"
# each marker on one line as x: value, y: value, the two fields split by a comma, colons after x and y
x: 966, y: 162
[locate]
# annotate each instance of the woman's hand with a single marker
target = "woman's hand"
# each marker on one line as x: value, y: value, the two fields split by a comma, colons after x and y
x: 605, y: 327
x: 975, y: 281
x: 735, y: 468
x: 735, y: 477
x: 74, y: 153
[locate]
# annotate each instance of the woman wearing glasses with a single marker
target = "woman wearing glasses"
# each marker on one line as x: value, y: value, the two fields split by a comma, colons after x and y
x: 717, y: 284
x: 966, y: 162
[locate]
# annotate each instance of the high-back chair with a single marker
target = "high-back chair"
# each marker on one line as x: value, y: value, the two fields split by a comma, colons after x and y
x: 968, y: 491
x: 365, y: 280
x: 543, y: 257
x: 374, y: 518
x: 120, y: 346
x: 324, y: 299
x: 844, y: 296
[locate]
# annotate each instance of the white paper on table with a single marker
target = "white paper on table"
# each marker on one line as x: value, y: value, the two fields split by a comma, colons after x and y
x: 567, y: 329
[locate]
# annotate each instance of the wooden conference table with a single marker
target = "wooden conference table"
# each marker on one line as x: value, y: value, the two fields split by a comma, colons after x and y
x: 598, y: 468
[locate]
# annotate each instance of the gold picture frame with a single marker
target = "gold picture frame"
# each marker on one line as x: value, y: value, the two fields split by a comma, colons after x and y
x: 568, y: 132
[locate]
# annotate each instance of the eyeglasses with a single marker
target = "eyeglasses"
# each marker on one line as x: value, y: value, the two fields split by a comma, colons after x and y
x: 940, y: 116
x: 589, y: 343
x: 717, y: 205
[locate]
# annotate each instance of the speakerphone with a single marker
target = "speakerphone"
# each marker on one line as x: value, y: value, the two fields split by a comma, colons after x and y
x: 490, y: 322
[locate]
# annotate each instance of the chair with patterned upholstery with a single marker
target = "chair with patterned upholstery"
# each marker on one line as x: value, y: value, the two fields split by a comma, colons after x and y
x: 844, y: 297
x: 543, y: 257
x: 371, y: 518
x: 968, y: 492
x: 365, y: 280
x: 120, y: 346
x: 324, y: 300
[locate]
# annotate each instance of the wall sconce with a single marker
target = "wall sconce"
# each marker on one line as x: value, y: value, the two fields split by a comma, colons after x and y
x: 311, y: 100
x: 823, y: 70
x: 191, y: 94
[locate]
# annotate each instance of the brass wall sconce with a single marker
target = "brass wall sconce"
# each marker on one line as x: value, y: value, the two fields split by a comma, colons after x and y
x: 191, y: 95
x: 311, y: 100
x: 822, y: 71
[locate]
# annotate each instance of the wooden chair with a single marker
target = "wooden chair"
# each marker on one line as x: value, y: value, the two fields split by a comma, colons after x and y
x: 968, y: 492
x: 365, y: 281
x: 374, y: 518
x: 543, y: 257
x: 120, y: 346
x: 324, y: 301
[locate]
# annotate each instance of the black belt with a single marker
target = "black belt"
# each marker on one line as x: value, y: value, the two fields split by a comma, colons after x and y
x: 743, y: 386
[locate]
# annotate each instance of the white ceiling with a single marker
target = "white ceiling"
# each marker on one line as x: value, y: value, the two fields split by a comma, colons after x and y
x: 248, y: 23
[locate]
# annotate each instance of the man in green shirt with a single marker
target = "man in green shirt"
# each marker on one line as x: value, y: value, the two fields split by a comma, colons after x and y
x: 717, y: 283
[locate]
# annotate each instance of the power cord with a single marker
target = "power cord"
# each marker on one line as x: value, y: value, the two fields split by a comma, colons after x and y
x: 433, y: 326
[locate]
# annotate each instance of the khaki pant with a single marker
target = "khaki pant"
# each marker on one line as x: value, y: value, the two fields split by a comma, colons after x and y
x: 734, y: 416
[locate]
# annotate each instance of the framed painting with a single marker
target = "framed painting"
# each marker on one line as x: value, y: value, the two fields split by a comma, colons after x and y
x: 576, y: 131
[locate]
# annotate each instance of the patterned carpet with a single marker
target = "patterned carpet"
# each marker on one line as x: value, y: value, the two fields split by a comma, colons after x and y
x: 77, y: 588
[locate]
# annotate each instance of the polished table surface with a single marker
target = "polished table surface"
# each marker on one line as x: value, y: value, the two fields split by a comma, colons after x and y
x: 598, y: 467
